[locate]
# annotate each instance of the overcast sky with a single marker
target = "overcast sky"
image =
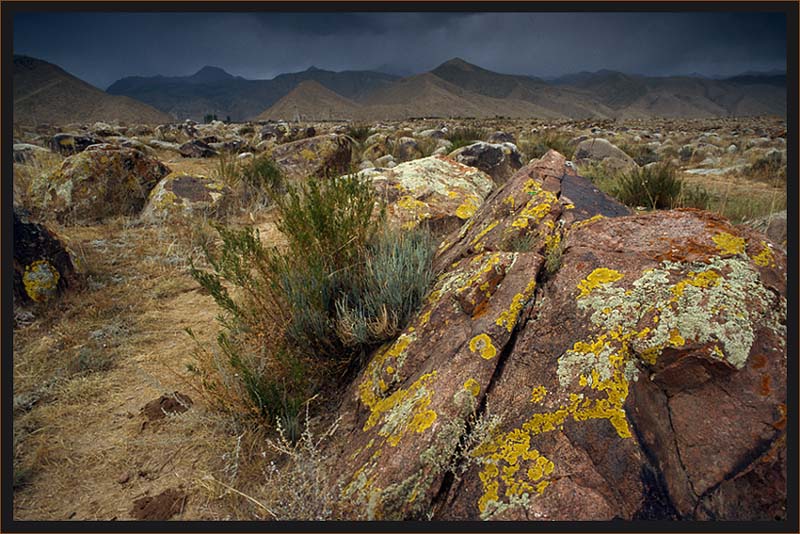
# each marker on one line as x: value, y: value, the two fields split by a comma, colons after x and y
x: 103, y: 47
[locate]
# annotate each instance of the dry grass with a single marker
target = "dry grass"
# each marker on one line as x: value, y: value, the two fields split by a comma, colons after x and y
x: 78, y: 428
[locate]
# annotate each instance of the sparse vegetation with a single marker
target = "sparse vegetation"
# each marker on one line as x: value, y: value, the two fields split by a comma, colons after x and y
x: 358, y: 132
x: 537, y: 145
x: 656, y: 187
x: 257, y: 180
x: 641, y: 153
x: 344, y: 284
x: 461, y: 137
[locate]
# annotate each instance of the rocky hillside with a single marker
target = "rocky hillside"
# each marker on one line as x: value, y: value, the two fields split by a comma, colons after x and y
x: 45, y: 93
x: 311, y: 99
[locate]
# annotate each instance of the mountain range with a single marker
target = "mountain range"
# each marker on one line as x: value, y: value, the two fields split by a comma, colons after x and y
x: 455, y: 88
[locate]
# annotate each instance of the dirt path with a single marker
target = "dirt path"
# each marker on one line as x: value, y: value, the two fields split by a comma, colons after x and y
x: 90, y: 364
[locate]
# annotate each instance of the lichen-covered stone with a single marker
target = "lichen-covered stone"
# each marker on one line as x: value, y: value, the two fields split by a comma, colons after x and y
x: 500, y: 161
x: 435, y: 191
x: 645, y: 378
x: 69, y: 143
x: 43, y: 265
x: 322, y: 155
x: 102, y: 181
x: 180, y: 195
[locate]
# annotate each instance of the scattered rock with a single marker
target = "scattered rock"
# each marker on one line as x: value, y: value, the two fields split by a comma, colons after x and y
x: 407, y: 149
x: 435, y: 190
x: 43, y: 265
x: 25, y: 153
x: 499, y: 161
x: 166, y: 405
x: 161, y: 507
x: 501, y: 137
x: 601, y: 150
x: 316, y: 156
x: 67, y: 143
x: 196, y: 149
x: 100, y: 182
x: 180, y: 195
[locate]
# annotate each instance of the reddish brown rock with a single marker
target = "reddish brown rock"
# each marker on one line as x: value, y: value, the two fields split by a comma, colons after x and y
x: 645, y: 379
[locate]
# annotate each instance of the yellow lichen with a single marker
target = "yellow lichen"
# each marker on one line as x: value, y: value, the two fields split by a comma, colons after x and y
x: 482, y: 343
x: 729, y: 244
x: 596, y: 278
x: 472, y: 386
x: 509, y: 317
x: 40, y: 280
x: 538, y: 393
x: 476, y: 241
x: 468, y: 208
x: 765, y: 258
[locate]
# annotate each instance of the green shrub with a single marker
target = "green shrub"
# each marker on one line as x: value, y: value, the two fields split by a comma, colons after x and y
x: 656, y: 187
x: 257, y: 179
x: 358, y: 132
x: 538, y: 144
x: 344, y: 284
x: 641, y: 153
x: 461, y: 137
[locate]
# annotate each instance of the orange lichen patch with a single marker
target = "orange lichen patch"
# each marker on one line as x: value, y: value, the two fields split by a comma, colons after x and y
x: 538, y: 393
x: 765, y: 258
x: 729, y: 244
x: 765, y: 385
x: 780, y: 424
x: 596, y: 278
x: 759, y: 361
x: 482, y: 344
x: 675, y: 338
x: 472, y: 386
x: 510, y: 317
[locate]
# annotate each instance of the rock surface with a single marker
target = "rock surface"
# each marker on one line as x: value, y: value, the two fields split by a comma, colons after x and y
x: 499, y: 161
x: 601, y: 150
x: 43, y: 266
x: 180, y: 195
x: 436, y: 191
x: 100, y: 182
x: 315, y: 156
x: 643, y: 379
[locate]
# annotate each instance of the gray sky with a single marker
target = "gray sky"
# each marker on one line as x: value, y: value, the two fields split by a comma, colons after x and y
x: 103, y: 47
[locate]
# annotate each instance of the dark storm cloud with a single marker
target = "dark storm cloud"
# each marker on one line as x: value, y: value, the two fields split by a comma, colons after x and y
x: 103, y: 47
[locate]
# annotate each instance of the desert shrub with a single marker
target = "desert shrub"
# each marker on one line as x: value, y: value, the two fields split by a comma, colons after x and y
x: 257, y: 179
x: 769, y: 168
x: 359, y: 132
x: 537, y: 145
x: 387, y: 290
x: 656, y: 187
x: 694, y: 196
x: 640, y: 152
x: 343, y: 285
x: 461, y: 137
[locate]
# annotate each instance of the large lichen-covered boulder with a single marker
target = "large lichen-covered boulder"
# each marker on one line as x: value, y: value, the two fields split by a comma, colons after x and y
x: 500, y: 161
x: 43, y: 265
x: 102, y: 181
x: 196, y: 148
x: 436, y: 191
x: 321, y: 155
x: 182, y: 196
x: 644, y: 379
x: 25, y: 152
x: 598, y: 150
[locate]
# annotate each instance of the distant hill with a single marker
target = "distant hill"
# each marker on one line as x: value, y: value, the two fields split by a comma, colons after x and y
x: 681, y: 96
x: 311, y: 99
x: 212, y: 90
x: 46, y: 93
